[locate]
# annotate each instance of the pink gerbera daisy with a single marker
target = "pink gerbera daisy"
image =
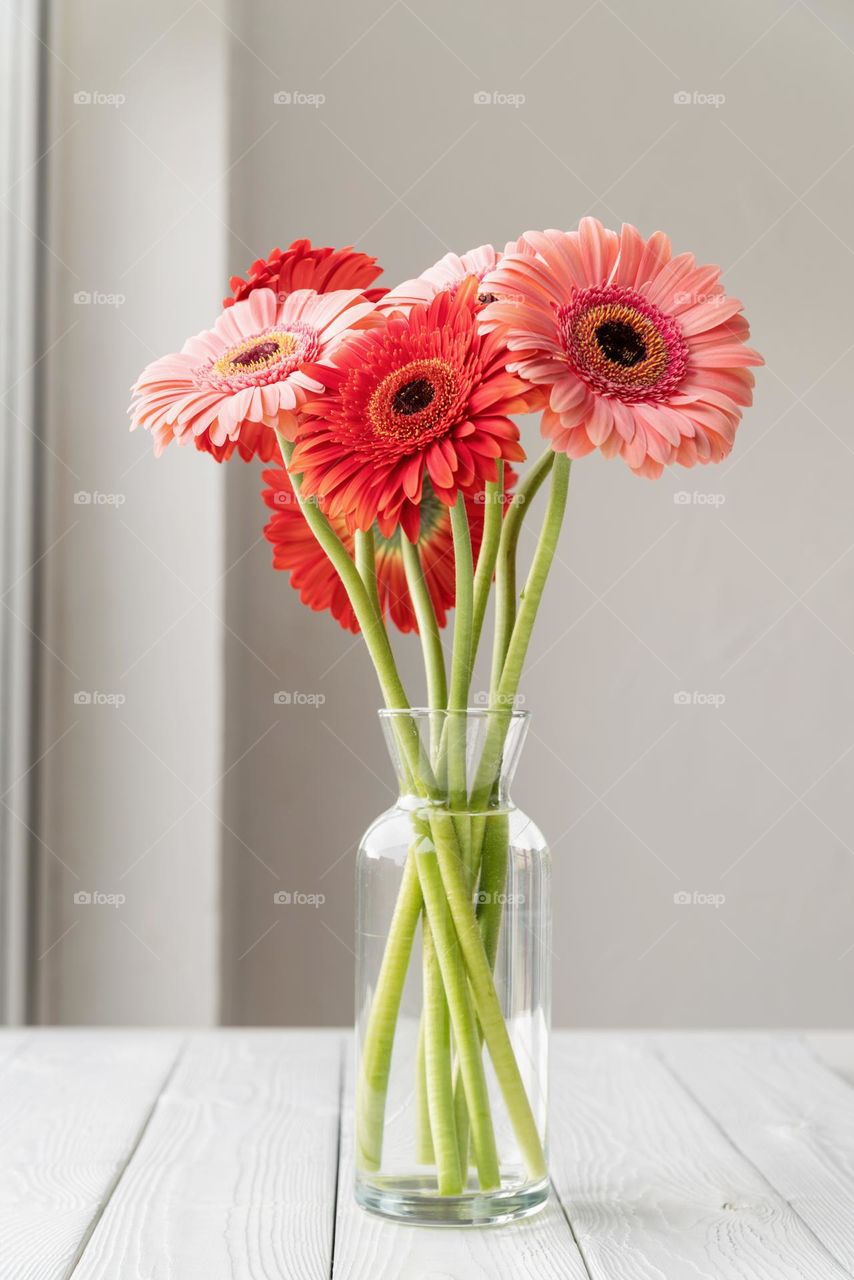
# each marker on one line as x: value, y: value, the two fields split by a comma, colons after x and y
x: 424, y: 396
x: 230, y: 386
x: 447, y: 275
x: 643, y: 354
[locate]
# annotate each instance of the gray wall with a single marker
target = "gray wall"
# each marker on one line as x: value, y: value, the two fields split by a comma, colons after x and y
x: 130, y: 580
x: 748, y: 597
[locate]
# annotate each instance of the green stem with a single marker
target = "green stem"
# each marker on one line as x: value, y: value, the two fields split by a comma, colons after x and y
x: 463, y: 607
x: 507, y: 685
x: 366, y: 563
x: 382, y: 1021
x: 493, y: 498
x: 428, y: 627
x: 367, y: 616
x: 457, y: 897
x: 440, y: 1087
x: 434, y: 889
x: 505, y: 570
x: 423, y: 1137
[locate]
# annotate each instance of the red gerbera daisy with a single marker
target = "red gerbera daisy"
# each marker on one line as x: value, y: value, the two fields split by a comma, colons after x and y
x: 297, y: 551
x: 304, y: 266
x: 424, y: 396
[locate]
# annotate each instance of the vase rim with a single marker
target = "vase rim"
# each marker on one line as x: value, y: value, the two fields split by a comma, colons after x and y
x: 389, y: 713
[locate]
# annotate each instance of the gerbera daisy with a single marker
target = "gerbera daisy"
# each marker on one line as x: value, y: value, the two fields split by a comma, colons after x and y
x: 643, y: 354
x: 305, y: 266
x: 448, y: 274
x: 231, y: 385
x: 424, y: 396
x: 297, y: 551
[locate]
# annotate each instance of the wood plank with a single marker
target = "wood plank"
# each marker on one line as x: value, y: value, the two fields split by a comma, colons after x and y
x: 235, y: 1174
x: 653, y: 1189
x: 72, y: 1105
x: 370, y: 1248
x: 835, y: 1049
x: 789, y: 1115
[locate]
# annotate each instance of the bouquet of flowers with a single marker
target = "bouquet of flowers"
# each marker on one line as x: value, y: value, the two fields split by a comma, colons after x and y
x: 387, y: 420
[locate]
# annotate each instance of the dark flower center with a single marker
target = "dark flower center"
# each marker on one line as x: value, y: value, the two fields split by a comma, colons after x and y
x: 413, y: 396
x: 261, y: 351
x: 620, y: 343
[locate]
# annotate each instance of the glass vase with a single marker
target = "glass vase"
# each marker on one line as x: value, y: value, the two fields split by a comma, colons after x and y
x: 453, y: 979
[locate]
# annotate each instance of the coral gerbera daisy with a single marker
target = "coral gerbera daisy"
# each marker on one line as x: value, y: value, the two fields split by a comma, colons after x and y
x: 307, y: 266
x: 424, y: 396
x: 643, y: 354
x: 230, y: 386
x: 448, y: 274
x: 297, y: 551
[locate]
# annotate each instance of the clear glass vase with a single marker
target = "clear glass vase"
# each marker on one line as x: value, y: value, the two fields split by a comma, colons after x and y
x: 453, y: 979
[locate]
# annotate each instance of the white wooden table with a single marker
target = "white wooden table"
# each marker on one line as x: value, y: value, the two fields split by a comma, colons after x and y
x: 136, y: 1155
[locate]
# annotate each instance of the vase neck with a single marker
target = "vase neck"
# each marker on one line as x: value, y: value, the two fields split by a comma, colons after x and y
x: 455, y: 759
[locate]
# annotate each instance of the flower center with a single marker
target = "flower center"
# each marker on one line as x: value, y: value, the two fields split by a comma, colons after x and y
x: 413, y: 396
x: 266, y: 357
x: 412, y: 403
x: 259, y: 354
x: 622, y: 345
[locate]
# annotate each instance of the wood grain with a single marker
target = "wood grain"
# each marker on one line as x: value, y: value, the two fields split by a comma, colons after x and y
x: 215, y: 1156
x: 788, y: 1114
x: 235, y: 1174
x: 72, y: 1104
x: 653, y: 1188
x: 369, y: 1248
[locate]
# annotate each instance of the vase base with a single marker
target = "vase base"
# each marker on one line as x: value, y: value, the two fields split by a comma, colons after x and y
x: 414, y: 1200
